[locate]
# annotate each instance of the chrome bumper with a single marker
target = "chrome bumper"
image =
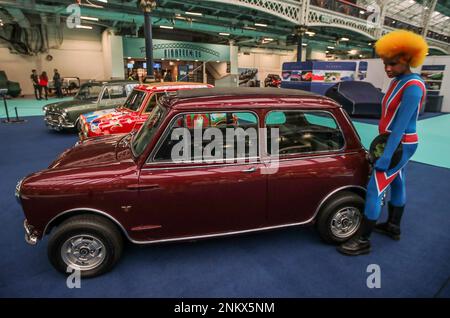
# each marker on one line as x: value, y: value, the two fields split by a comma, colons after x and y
x: 30, y: 236
x: 57, y: 124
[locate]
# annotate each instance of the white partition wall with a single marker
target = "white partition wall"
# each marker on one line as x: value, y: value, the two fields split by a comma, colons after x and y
x: 377, y: 76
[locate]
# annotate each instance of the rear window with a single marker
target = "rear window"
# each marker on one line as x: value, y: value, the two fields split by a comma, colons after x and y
x: 302, y: 132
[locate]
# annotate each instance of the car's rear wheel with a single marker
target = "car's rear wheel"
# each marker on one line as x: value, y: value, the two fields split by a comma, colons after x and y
x: 88, y: 243
x: 340, y: 218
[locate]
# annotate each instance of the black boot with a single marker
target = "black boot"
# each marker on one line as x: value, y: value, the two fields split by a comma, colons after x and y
x: 360, y: 243
x: 391, y: 228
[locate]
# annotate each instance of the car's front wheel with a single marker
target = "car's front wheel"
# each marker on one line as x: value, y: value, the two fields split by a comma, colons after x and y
x: 340, y: 218
x: 87, y: 243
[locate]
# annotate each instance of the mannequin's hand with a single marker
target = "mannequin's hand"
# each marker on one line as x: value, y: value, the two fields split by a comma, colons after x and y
x: 382, y: 164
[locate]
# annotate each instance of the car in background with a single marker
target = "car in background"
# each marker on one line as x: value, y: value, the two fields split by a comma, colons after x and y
x: 93, y: 95
x: 69, y: 85
x: 13, y: 88
x: 133, y: 113
x: 113, y: 188
x: 272, y: 80
x: 358, y: 98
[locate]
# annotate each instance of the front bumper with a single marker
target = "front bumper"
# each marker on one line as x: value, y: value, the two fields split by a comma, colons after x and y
x: 30, y: 235
x: 57, y: 122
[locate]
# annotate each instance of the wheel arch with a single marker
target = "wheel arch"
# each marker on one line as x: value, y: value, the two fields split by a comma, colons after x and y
x: 61, y: 217
x: 358, y: 190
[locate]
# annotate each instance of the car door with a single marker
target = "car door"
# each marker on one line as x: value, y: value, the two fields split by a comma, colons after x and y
x: 203, y: 197
x: 311, y: 163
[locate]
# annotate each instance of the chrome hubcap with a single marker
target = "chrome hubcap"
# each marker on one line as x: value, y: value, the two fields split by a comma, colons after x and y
x: 83, y: 252
x: 345, y: 222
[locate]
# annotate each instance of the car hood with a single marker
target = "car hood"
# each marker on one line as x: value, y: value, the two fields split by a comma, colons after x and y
x: 106, y: 114
x: 91, y: 116
x: 59, y: 106
x: 96, y: 151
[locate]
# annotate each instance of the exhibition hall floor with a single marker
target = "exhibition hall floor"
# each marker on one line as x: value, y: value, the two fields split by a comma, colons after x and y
x: 283, y: 263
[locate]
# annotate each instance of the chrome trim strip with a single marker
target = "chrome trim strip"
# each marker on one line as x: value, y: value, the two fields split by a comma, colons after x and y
x: 146, y: 168
x: 188, y: 238
x: 319, y: 156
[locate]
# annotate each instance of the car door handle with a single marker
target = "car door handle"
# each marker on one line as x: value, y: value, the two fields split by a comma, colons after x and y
x: 249, y: 170
x: 143, y: 186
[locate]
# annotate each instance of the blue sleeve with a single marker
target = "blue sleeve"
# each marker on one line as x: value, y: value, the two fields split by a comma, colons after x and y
x: 410, y: 102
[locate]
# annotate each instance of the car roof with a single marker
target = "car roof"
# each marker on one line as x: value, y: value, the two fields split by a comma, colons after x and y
x: 162, y: 86
x: 257, y: 97
x: 115, y: 82
x: 109, y: 82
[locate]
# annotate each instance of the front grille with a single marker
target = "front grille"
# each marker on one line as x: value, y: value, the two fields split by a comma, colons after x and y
x: 50, y: 116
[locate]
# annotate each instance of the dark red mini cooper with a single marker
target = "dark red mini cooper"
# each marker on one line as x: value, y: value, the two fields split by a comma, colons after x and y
x: 206, y: 163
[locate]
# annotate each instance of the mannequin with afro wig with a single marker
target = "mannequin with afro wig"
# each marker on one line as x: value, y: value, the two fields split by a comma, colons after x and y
x: 400, y: 50
x: 410, y: 47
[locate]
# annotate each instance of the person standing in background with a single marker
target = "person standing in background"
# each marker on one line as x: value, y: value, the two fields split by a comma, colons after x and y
x: 37, y: 88
x: 43, y: 83
x: 57, y: 82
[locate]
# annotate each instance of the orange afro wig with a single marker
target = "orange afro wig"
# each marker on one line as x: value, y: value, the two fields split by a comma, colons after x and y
x: 409, y: 45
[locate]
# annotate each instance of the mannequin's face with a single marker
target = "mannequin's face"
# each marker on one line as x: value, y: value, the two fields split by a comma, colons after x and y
x: 395, y: 66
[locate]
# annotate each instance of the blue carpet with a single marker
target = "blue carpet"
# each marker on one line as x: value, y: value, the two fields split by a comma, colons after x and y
x: 283, y: 263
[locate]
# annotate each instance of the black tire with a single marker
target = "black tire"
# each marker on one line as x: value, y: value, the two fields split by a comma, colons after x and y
x: 77, y: 127
x: 335, y: 204
x: 97, y: 227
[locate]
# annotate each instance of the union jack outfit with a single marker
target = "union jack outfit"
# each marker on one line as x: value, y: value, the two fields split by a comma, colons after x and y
x: 400, y: 110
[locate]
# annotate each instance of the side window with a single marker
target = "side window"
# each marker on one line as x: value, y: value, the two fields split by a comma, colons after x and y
x: 129, y: 88
x: 303, y: 132
x: 89, y: 92
x: 152, y: 102
x: 134, y: 101
x: 210, y: 137
x: 112, y: 92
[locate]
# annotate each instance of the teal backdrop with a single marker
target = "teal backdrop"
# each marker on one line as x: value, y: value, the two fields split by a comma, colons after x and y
x: 172, y: 50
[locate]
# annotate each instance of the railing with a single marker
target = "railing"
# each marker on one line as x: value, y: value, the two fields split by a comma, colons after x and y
x: 352, y: 10
x: 344, y: 7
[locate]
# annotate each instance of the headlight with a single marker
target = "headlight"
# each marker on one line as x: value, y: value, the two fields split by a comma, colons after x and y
x: 45, y: 108
x: 64, y: 113
x: 17, y: 191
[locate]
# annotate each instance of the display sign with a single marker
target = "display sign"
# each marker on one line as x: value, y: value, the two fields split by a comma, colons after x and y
x: 433, y: 75
x: 172, y: 50
x: 316, y: 76
x: 362, y: 70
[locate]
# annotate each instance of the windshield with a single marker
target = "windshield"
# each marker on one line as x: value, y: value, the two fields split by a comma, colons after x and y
x: 89, y: 92
x: 134, y: 101
x: 147, y: 131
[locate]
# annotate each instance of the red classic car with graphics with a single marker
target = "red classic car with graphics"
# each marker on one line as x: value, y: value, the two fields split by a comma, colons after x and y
x: 301, y: 162
x: 133, y: 113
